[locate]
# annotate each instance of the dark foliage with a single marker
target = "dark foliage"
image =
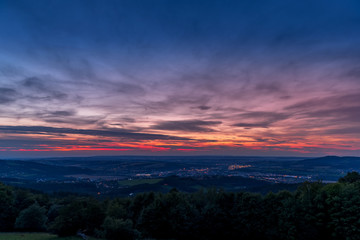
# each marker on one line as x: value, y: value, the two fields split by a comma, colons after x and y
x: 313, y: 211
x: 32, y: 218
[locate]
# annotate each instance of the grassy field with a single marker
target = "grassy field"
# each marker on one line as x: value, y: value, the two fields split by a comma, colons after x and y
x: 36, y: 236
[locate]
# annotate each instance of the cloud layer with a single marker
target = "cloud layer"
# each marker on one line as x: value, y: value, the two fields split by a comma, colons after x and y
x: 168, y: 77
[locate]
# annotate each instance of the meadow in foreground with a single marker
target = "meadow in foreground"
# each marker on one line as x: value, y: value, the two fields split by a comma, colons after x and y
x: 36, y: 236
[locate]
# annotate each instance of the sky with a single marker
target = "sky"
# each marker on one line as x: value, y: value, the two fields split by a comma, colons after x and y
x: 179, y: 77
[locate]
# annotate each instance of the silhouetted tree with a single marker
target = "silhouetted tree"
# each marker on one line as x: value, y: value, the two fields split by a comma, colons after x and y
x: 350, y: 177
x: 115, y: 229
x: 32, y: 219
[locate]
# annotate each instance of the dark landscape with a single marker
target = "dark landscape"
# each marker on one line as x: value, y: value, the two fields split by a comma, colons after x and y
x: 128, y: 175
x: 134, y: 199
x: 179, y: 120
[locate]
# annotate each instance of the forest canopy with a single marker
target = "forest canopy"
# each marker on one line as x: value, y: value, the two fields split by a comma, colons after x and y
x: 315, y: 210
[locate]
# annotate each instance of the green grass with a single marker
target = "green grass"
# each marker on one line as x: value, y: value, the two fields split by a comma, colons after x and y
x: 36, y: 236
x: 135, y: 182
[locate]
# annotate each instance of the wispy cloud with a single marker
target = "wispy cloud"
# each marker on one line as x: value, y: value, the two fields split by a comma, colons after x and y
x: 243, y: 77
x: 187, y: 125
x: 42, y: 89
x: 7, y: 95
x: 118, y: 133
x: 260, y: 119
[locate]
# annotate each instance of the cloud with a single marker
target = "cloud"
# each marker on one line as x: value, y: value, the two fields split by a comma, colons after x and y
x: 269, y: 87
x: 269, y: 140
x: 260, y: 119
x: 127, y: 88
x: 329, y: 111
x: 23, y: 142
x: 7, y: 95
x: 9, y: 70
x: 175, y: 101
x: 35, y: 83
x: 61, y: 113
x: 252, y: 125
x: 187, y: 125
x: 42, y: 90
x: 354, y: 130
x: 345, y: 114
x: 333, y: 101
x: 117, y: 133
x: 79, y: 121
x: 203, y: 107
x: 66, y: 116
x: 247, y: 64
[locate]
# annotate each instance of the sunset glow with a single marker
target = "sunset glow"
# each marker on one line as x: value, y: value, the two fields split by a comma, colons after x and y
x: 179, y: 77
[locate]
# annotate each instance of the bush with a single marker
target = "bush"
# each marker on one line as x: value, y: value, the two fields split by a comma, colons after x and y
x: 32, y: 219
x: 119, y: 229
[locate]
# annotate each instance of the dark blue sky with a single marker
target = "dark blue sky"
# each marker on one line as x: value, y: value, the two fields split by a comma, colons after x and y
x: 173, y: 77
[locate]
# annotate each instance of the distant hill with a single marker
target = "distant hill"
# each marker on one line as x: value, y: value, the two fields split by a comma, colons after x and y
x: 326, y: 168
x: 111, y: 175
x: 126, y: 188
x: 34, y: 170
x: 331, y: 162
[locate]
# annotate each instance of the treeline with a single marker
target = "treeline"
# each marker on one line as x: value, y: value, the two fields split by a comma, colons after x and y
x: 313, y: 211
